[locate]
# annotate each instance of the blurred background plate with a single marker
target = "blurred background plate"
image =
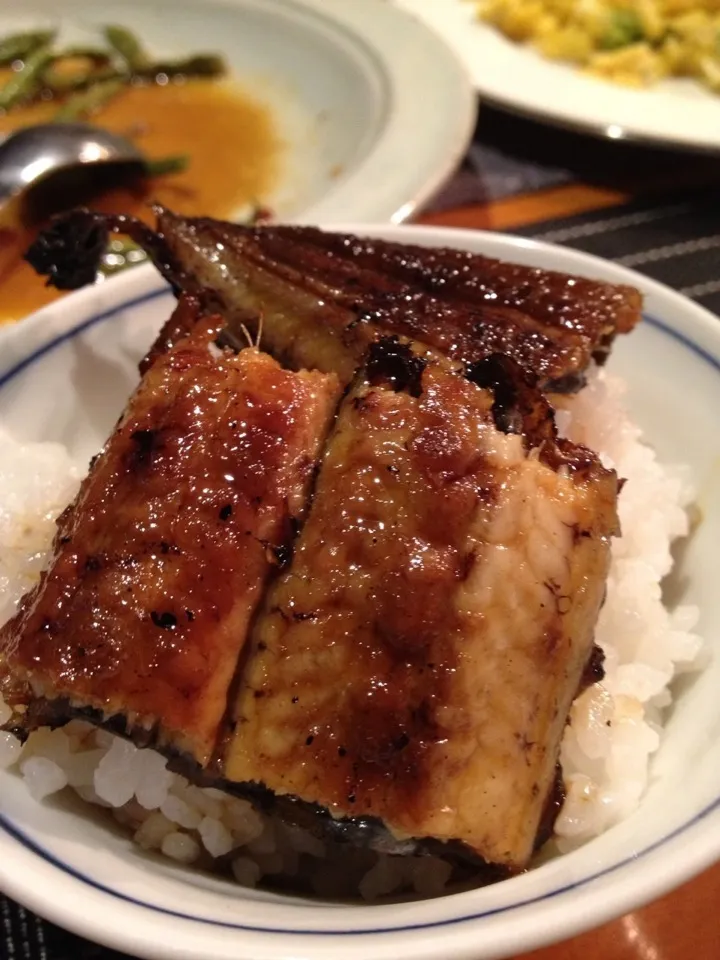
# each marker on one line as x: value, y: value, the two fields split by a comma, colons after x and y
x: 676, y: 112
x: 374, y: 111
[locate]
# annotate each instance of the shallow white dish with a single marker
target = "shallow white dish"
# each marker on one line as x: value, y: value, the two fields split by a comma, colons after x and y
x: 65, y: 374
x: 676, y: 112
x: 375, y: 109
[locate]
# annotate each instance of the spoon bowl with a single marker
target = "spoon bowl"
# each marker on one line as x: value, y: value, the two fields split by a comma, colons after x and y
x: 33, y: 153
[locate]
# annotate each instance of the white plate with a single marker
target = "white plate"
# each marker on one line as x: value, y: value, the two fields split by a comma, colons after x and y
x: 65, y: 374
x: 676, y: 112
x: 375, y: 109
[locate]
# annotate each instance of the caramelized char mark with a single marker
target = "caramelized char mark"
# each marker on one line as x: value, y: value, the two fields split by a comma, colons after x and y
x: 392, y: 363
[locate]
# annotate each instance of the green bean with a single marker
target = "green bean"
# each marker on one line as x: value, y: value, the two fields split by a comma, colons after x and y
x: 96, y: 54
x: 24, y: 83
x: 61, y: 86
x: 21, y: 45
x: 88, y: 101
x: 39, y: 75
x: 164, y: 165
x: 199, y: 65
x: 120, y: 255
x: 127, y: 46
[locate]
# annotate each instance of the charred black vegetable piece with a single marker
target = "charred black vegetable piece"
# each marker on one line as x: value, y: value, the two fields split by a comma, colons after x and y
x: 70, y: 251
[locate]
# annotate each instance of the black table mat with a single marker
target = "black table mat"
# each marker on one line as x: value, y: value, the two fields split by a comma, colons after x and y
x: 511, y: 155
x: 676, y: 240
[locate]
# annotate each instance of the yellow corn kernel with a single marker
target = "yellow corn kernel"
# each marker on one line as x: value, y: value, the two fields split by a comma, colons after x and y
x: 569, y: 43
x: 519, y: 21
x: 636, y: 65
x: 676, y: 56
x: 651, y: 19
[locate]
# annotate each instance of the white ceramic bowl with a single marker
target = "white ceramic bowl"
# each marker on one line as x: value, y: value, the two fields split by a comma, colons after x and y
x: 65, y: 373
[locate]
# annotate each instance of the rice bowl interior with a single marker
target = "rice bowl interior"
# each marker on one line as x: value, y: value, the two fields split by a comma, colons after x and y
x: 660, y: 401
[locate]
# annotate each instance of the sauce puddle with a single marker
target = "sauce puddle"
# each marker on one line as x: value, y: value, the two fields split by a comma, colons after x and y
x: 234, y: 159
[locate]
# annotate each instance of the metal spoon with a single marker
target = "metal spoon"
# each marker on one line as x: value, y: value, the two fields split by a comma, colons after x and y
x: 34, y: 153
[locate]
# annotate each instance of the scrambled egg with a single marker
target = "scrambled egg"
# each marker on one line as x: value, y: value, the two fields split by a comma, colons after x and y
x: 634, y: 42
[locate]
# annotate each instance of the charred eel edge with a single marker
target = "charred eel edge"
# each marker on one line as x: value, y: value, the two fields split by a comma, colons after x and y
x: 362, y: 832
x: 70, y: 250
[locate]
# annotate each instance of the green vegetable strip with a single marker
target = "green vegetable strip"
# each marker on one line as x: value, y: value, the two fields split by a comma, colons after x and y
x: 24, y: 83
x: 96, y: 54
x: 88, y: 101
x: 38, y: 74
x: 127, y: 46
x: 199, y: 65
x: 165, y: 165
x: 61, y: 86
x: 19, y: 46
x: 120, y: 255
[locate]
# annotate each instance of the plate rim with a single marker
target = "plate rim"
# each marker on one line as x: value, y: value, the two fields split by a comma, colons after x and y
x: 117, y: 290
x: 440, y: 141
x: 550, y: 111
x: 398, y: 128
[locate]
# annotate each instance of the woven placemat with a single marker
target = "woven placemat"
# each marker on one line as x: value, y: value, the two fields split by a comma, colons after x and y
x: 676, y: 241
x: 23, y: 936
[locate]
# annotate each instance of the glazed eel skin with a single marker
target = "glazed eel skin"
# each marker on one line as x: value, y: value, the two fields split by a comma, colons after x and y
x: 161, y: 560
x: 320, y: 298
x: 417, y: 660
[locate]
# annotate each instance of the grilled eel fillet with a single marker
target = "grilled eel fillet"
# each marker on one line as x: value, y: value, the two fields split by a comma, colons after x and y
x: 322, y: 298
x: 161, y: 560
x: 417, y: 660
x: 415, y: 666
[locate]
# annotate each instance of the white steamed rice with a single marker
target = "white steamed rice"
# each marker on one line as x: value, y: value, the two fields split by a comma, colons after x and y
x: 615, y: 726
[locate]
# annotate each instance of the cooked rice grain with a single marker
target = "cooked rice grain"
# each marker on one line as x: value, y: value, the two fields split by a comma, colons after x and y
x: 615, y: 726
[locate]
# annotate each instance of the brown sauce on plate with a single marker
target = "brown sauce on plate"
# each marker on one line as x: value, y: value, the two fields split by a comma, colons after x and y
x: 230, y: 139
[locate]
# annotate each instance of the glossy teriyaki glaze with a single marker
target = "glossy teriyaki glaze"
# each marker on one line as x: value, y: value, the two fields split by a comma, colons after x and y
x: 417, y: 660
x: 162, y: 558
x: 326, y: 296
